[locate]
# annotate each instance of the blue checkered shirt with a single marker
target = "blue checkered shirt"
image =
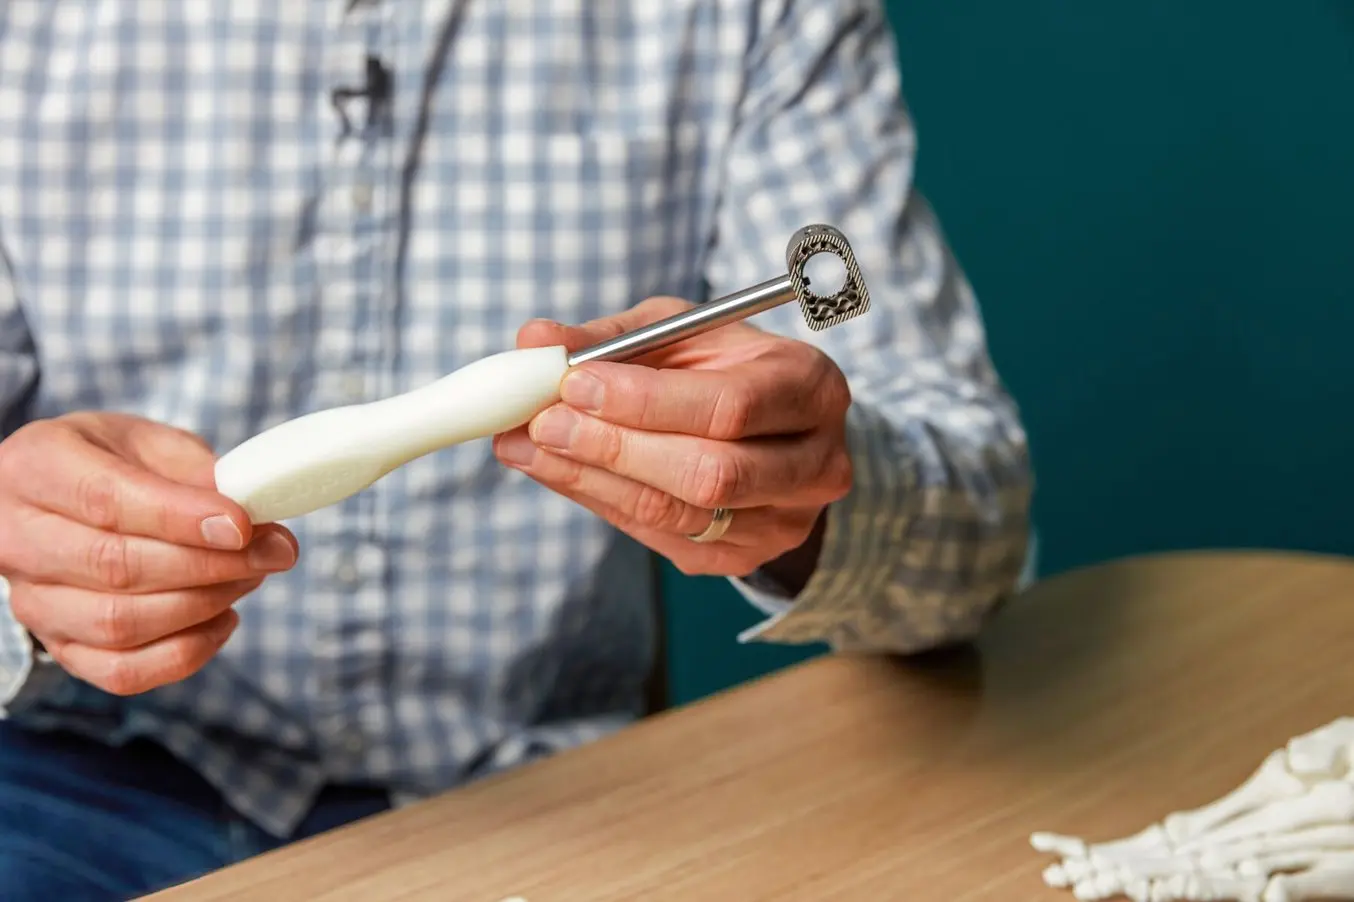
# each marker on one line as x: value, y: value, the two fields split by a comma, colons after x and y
x: 187, y: 233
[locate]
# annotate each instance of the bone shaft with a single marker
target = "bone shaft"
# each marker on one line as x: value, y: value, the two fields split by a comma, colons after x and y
x: 1151, y: 841
x: 1279, y: 858
x: 1337, y: 836
x: 1273, y: 862
x: 1269, y: 783
x: 1325, y: 884
x: 1068, y: 846
x: 1286, y: 816
x: 699, y: 319
x: 1188, y: 825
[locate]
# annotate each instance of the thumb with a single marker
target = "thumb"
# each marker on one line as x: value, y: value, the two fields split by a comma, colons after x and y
x: 159, y: 481
x: 173, y: 453
x: 183, y: 457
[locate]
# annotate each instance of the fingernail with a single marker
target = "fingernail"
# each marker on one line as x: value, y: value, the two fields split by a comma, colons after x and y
x: 220, y: 531
x: 271, y: 552
x: 516, y: 448
x: 555, y: 428
x: 582, y: 390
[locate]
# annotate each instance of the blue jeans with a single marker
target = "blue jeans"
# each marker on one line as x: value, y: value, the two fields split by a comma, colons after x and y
x: 82, y: 822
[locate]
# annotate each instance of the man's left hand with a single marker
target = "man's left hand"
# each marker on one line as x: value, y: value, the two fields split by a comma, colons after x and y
x: 736, y: 418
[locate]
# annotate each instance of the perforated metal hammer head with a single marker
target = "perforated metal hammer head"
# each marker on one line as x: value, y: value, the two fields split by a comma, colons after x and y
x: 851, y: 299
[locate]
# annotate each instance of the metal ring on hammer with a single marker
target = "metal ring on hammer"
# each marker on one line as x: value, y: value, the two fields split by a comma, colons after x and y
x: 719, y: 524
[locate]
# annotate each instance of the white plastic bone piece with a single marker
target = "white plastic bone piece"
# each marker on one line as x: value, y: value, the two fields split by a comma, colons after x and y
x: 1073, y: 870
x: 1327, y: 837
x: 1145, y: 843
x: 1100, y: 886
x: 1269, y: 783
x: 1209, y: 888
x: 1151, y: 841
x: 1295, y: 860
x: 1168, y: 887
x: 321, y: 458
x: 1058, y: 844
x: 1285, y: 835
x: 1331, y: 802
x: 1324, y: 752
x: 1319, y: 883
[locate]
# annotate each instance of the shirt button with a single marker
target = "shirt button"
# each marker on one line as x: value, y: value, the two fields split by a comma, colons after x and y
x: 347, y: 573
x: 362, y: 196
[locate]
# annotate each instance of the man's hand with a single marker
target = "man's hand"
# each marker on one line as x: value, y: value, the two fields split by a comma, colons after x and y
x: 122, y: 559
x: 736, y: 418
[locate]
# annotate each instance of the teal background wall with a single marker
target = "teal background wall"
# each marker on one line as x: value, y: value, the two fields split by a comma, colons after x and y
x: 1155, y: 202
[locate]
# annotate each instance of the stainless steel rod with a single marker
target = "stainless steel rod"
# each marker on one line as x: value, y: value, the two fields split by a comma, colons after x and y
x: 699, y: 319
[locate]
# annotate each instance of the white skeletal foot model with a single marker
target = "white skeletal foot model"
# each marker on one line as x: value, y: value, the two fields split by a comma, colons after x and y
x: 1285, y: 835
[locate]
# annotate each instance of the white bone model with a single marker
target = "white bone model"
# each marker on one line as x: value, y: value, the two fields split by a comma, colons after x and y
x: 321, y: 458
x: 1285, y: 835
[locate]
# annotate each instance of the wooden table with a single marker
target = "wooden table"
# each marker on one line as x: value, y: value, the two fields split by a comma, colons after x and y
x: 1096, y: 703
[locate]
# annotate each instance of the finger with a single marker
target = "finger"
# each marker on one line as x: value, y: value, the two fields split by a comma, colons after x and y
x: 164, y: 661
x: 46, y: 548
x: 112, y: 621
x: 802, y: 471
x: 54, y: 467
x: 639, y: 503
x: 783, y: 396
x: 691, y: 558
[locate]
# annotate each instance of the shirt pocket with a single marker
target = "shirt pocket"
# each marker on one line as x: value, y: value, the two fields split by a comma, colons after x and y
x: 564, y: 226
x: 561, y: 226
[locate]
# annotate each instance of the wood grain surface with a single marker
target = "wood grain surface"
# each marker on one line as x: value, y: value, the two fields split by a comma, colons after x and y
x: 1096, y: 703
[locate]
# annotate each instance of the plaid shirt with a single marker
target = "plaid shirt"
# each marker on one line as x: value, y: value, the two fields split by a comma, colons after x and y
x: 187, y: 233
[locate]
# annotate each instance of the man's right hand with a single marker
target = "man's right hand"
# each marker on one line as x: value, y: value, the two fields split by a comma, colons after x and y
x: 122, y: 559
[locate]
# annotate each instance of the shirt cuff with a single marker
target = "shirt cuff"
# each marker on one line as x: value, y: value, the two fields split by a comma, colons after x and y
x: 762, y: 593
x: 859, y: 552
x: 25, y: 673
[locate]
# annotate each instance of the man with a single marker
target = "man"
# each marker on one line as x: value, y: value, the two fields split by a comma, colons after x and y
x: 198, y: 244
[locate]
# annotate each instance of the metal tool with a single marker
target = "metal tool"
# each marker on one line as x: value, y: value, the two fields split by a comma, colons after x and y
x: 821, y: 311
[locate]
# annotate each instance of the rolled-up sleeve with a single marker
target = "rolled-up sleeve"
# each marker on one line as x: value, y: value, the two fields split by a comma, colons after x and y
x: 935, y: 530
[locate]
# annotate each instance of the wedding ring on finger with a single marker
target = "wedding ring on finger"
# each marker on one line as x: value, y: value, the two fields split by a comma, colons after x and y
x: 720, y: 520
